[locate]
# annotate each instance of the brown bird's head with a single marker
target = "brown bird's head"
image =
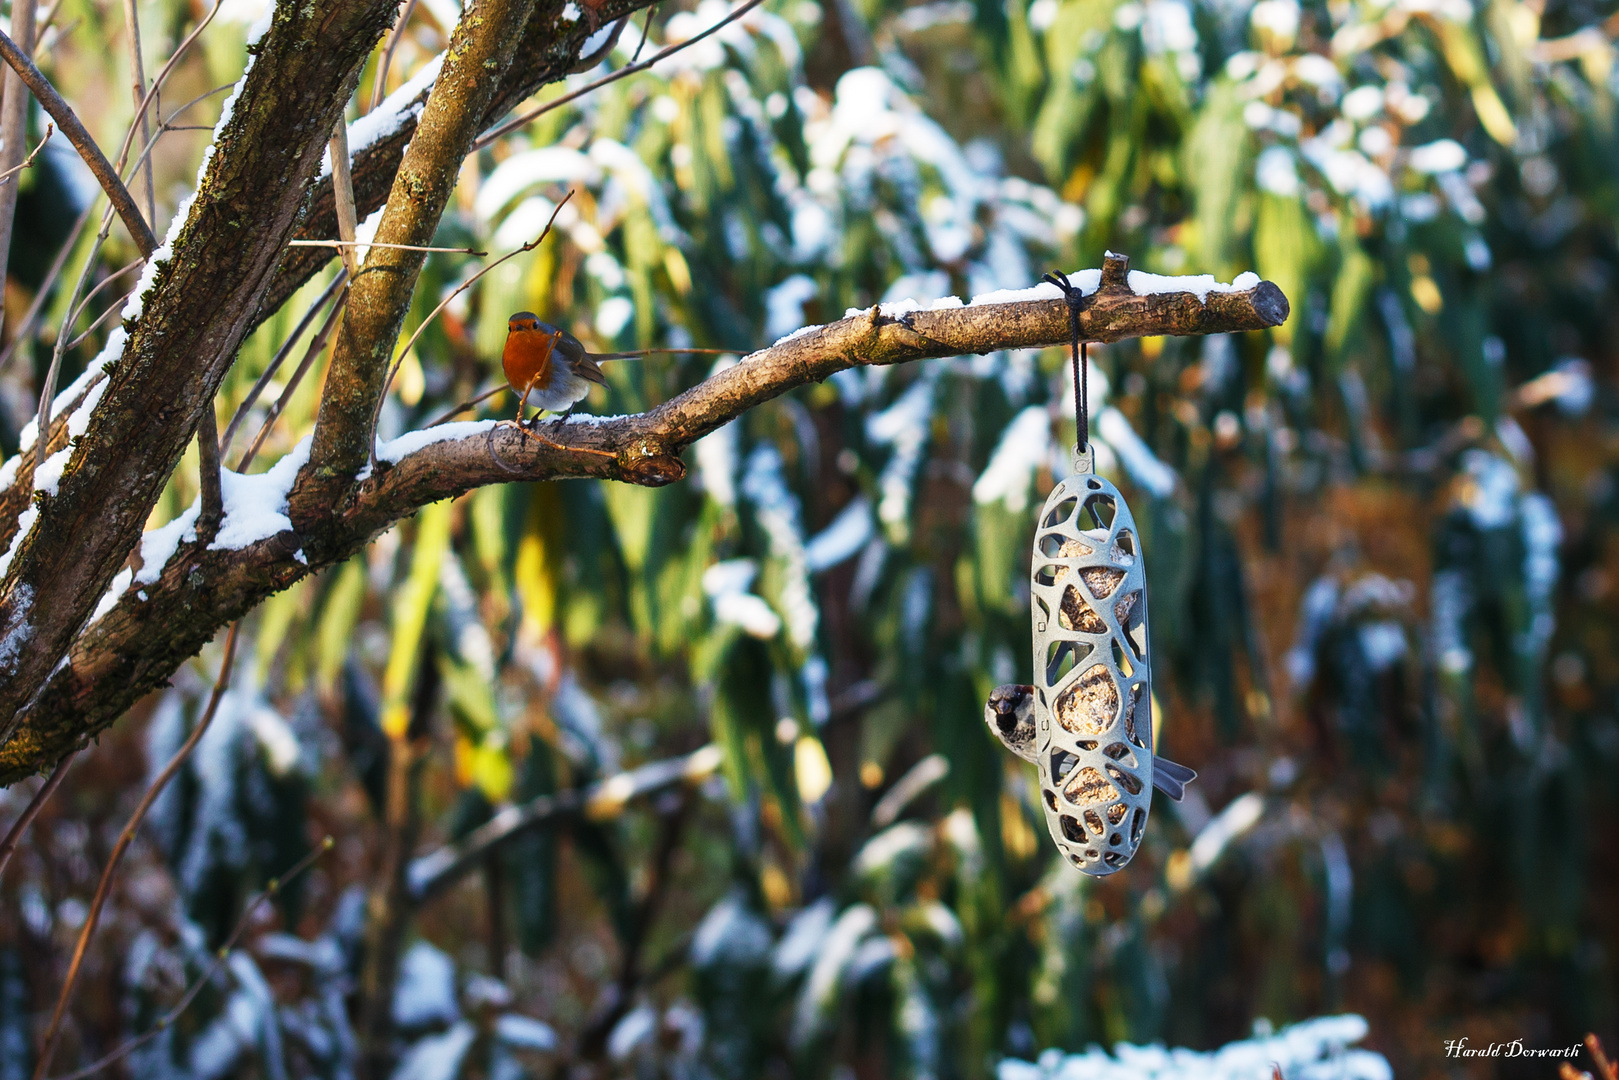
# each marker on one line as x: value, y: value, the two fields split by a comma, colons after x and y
x: 565, y: 345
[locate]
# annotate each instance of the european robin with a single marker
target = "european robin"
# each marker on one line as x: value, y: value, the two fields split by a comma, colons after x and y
x: 545, y: 365
x: 549, y: 368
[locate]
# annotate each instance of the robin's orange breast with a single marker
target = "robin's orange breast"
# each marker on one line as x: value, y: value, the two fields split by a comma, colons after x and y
x: 526, y: 359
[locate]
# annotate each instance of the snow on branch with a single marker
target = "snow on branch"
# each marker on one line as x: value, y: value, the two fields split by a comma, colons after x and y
x: 1122, y: 304
x: 138, y: 639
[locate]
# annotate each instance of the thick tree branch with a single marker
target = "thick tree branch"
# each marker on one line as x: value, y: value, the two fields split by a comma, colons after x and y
x: 484, y: 40
x: 149, y: 631
x: 68, y: 121
x: 197, y: 307
x: 548, y: 50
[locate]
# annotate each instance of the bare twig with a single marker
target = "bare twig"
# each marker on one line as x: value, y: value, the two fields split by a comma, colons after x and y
x: 646, y: 32
x: 210, y: 486
x: 337, y: 149
x: 43, y: 25
x: 29, y: 812
x: 271, y: 890
x: 381, y: 83
x: 463, y: 287
x: 13, y: 129
x: 137, y: 71
x: 276, y: 361
x: 467, y: 404
x: 617, y: 1000
x: 28, y: 162
x: 102, y: 284
x: 345, y: 244
x: 104, y: 886
x: 112, y: 309
x: 1605, y: 1067
x: 26, y: 331
x: 388, y: 906
x: 47, y: 390
x: 63, y: 114
x: 317, y: 345
x: 42, y: 294
x: 623, y: 72
x: 73, y: 319
x: 49, y: 41
x: 162, y: 76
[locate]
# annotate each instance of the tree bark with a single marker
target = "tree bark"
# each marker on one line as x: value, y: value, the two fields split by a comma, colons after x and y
x: 484, y: 40
x: 548, y: 51
x: 199, y: 306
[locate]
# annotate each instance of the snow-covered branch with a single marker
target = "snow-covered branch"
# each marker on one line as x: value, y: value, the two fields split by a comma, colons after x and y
x: 189, y: 587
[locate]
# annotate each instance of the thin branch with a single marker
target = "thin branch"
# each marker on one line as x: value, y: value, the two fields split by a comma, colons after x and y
x: 41, y: 797
x: 467, y: 404
x: 210, y: 486
x: 25, y: 332
x: 43, y: 30
x: 42, y: 294
x: 162, y: 76
x: 646, y: 32
x: 73, y: 319
x: 102, y: 284
x: 431, y: 873
x: 51, y: 40
x: 337, y: 149
x: 104, y: 886
x: 271, y: 890
x: 394, y: 247
x: 616, y: 1001
x: 137, y: 71
x: 13, y: 130
x: 276, y: 361
x: 103, y: 170
x: 623, y: 72
x: 28, y: 162
x: 112, y: 309
x: 444, y: 303
x: 317, y: 345
x: 398, y: 32
x: 47, y: 390
x: 43, y: 25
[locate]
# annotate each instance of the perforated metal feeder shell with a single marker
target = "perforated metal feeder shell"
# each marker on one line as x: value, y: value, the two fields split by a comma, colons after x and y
x: 1092, y: 674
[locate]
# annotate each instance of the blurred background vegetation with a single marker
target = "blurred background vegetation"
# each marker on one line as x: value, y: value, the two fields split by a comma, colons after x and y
x: 1382, y: 541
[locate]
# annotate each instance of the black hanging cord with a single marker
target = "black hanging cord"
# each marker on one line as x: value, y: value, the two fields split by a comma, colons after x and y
x: 1081, y: 357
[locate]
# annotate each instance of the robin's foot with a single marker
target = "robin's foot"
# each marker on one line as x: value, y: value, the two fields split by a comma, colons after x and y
x: 526, y: 427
